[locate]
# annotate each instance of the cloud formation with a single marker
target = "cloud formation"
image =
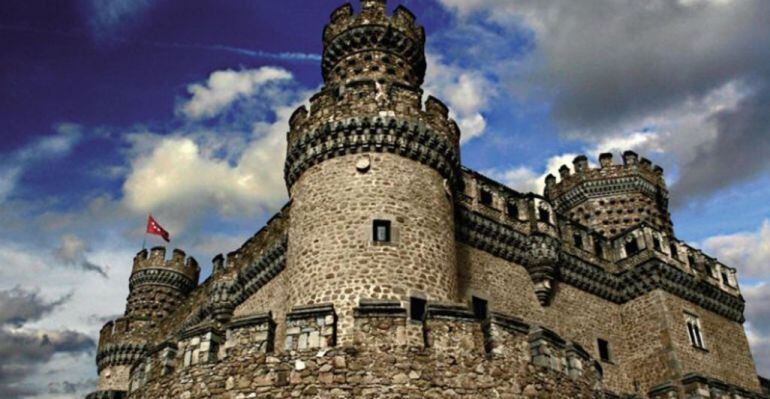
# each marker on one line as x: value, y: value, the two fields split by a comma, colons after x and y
x: 612, y: 68
x: 225, y: 87
x: 72, y: 252
x: 24, y: 350
x: 466, y: 92
x: 60, y: 144
x: 758, y: 316
x: 190, y: 172
x: 747, y: 251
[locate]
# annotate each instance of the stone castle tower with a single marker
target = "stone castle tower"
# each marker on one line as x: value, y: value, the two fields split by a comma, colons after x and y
x: 395, y: 272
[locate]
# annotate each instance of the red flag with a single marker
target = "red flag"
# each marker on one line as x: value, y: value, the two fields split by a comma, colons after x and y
x: 154, y: 228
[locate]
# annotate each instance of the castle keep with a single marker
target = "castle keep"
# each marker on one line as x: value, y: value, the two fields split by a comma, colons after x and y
x: 395, y: 272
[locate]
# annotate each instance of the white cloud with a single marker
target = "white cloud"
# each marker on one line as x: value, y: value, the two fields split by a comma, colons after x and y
x: 186, y: 175
x: 749, y: 252
x: 466, y: 92
x: 60, y: 144
x: 690, y: 74
x: 225, y: 87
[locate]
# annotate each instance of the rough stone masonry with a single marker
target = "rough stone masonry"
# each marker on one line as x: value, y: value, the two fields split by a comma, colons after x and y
x: 395, y: 272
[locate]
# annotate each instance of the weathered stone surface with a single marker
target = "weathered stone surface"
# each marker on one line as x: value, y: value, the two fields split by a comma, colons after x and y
x: 517, y: 288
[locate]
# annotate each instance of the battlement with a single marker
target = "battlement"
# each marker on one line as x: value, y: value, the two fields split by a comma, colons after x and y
x: 392, y: 45
x: 611, y: 197
x: 156, y: 259
x: 449, y: 333
x: 373, y: 12
x: 582, y: 172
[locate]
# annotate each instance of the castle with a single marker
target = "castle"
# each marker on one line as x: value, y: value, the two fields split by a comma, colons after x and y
x: 395, y: 272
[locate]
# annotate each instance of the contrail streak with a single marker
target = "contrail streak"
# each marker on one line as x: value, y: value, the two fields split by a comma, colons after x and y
x: 256, y: 54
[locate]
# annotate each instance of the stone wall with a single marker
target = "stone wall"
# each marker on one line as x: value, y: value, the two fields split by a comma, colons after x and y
x: 332, y: 256
x: 725, y: 356
x: 451, y: 362
x: 572, y: 313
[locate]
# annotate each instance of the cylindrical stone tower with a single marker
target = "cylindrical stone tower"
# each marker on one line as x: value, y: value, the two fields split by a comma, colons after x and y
x: 157, y: 286
x: 370, y: 172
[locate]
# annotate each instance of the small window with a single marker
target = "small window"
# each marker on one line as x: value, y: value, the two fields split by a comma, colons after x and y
x: 656, y: 244
x: 513, y: 210
x: 577, y: 238
x: 604, y: 350
x: 694, y: 331
x: 486, y: 198
x: 725, y: 278
x: 381, y: 231
x: 598, y: 249
x: 544, y: 215
x: 480, y: 308
x: 674, y: 251
x: 709, y: 269
x: 632, y: 247
x: 417, y: 308
x: 691, y: 260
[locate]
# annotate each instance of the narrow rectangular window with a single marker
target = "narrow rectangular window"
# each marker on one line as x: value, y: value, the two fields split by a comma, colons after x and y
x: 725, y: 278
x: 656, y: 244
x: 577, y: 238
x: 694, y: 331
x: 417, y: 308
x: 598, y: 250
x: 632, y: 247
x: 513, y: 210
x: 486, y: 197
x: 674, y: 251
x: 480, y: 308
x: 604, y: 350
x: 691, y: 261
x: 381, y: 232
x: 544, y: 215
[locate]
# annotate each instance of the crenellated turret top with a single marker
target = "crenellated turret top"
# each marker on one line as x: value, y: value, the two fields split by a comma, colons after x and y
x: 373, y: 44
x: 582, y: 172
x: 156, y: 259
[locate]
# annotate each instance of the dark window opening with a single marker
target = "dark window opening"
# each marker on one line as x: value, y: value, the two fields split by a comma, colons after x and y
x: 486, y: 198
x: 674, y: 251
x: 691, y: 260
x: 381, y: 232
x: 544, y: 215
x: 604, y: 350
x: 513, y: 210
x: 656, y: 244
x: 480, y: 308
x: 725, y: 278
x: 694, y: 331
x: 709, y: 270
x: 577, y: 238
x: 598, y: 250
x: 632, y: 248
x: 417, y: 308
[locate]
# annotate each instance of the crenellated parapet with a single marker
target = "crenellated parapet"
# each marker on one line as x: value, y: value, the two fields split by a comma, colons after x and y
x: 374, y: 44
x: 179, y: 263
x: 449, y: 334
x: 157, y: 285
x: 410, y: 139
x: 611, y: 197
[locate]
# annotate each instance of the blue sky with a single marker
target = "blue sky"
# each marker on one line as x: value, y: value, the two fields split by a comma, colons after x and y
x: 112, y: 110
